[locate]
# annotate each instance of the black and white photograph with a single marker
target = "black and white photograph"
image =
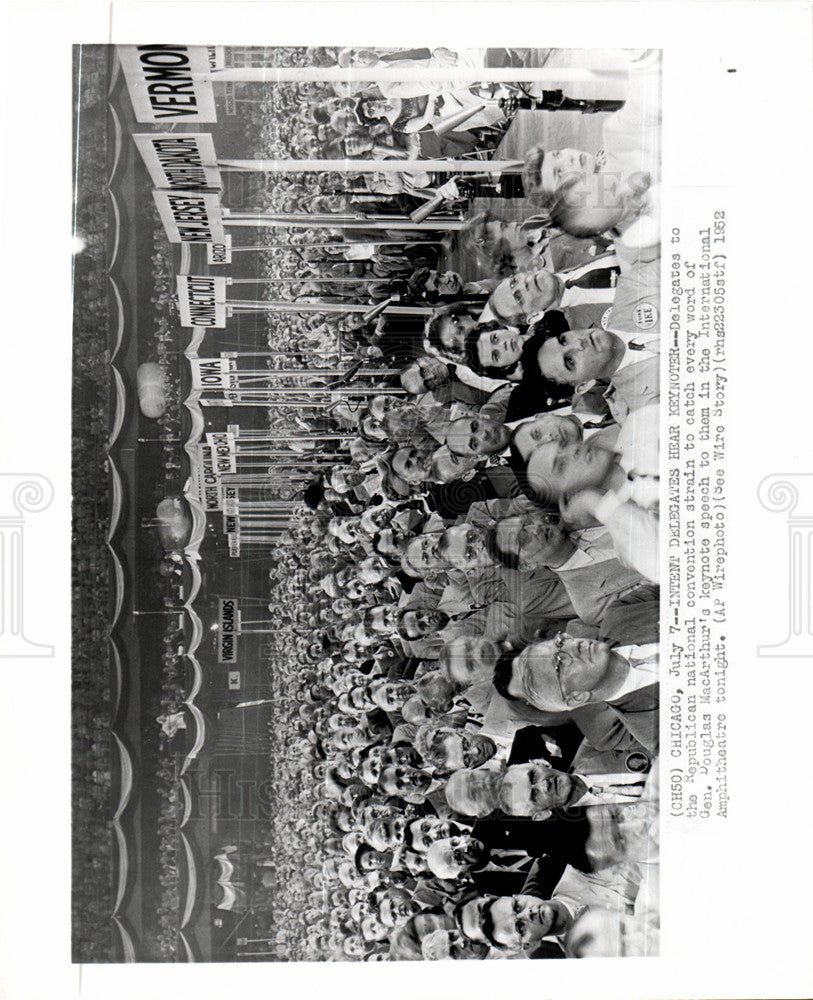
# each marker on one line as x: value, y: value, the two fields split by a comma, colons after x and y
x: 406, y: 511
x: 365, y: 528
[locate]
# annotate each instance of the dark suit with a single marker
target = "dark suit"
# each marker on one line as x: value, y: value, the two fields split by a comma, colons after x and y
x: 529, y: 744
x: 537, y: 885
x: 528, y: 398
x: 498, y: 882
x: 452, y: 500
x: 555, y: 842
x: 628, y: 723
x: 633, y: 619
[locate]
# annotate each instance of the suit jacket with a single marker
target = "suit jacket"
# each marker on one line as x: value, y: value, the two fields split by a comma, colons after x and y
x: 595, y: 587
x: 530, y: 744
x: 585, y: 314
x: 634, y: 386
x: 526, y: 398
x: 555, y: 842
x: 451, y: 500
x: 500, y: 882
x: 637, y: 303
x: 633, y: 619
x: 565, y: 251
x: 623, y: 724
x: 588, y: 760
x: 577, y: 755
x: 531, y: 599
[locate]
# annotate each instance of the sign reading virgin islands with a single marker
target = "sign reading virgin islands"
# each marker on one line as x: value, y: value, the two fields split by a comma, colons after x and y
x: 179, y: 160
x: 202, y: 300
x: 228, y: 620
x: 191, y: 216
x: 169, y: 83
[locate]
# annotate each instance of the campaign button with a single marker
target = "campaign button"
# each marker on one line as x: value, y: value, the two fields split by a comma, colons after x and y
x: 645, y: 316
x: 637, y: 762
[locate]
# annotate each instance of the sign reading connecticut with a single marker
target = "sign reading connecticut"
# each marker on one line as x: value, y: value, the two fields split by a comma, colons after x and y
x: 202, y: 300
x: 169, y: 83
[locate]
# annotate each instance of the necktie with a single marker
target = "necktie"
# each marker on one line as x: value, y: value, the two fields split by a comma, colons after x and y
x: 597, y: 277
x: 652, y: 345
x: 631, y: 790
x: 512, y: 861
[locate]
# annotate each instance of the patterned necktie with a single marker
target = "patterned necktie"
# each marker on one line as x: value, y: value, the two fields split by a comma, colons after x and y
x: 597, y: 277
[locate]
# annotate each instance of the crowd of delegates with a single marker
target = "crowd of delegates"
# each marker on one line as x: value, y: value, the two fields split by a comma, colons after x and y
x: 383, y: 119
x: 91, y: 758
x: 475, y: 679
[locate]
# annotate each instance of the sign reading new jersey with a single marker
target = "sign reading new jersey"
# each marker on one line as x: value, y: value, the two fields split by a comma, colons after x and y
x: 169, y: 83
x: 191, y: 216
x: 202, y: 300
x: 179, y: 160
x: 228, y: 626
x: 230, y: 504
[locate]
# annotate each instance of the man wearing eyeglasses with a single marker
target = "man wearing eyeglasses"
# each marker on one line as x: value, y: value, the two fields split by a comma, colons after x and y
x: 583, y: 294
x: 612, y: 693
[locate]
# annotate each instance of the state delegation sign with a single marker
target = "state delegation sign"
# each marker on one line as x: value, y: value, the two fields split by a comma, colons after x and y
x: 169, y: 83
x: 191, y: 216
x: 202, y: 300
x: 180, y: 160
x: 213, y: 373
x: 219, y: 253
x: 228, y: 628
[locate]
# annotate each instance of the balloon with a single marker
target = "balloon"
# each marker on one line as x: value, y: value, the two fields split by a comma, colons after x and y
x: 152, y: 398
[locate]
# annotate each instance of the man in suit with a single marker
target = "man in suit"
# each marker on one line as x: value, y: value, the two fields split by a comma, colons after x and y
x: 612, y: 693
x: 528, y: 600
x: 584, y: 294
x: 584, y: 561
x: 633, y: 619
x: 513, y: 841
x: 536, y: 789
x: 522, y: 922
x: 452, y: 500
x: 626, y: 361
x: 536, y: 920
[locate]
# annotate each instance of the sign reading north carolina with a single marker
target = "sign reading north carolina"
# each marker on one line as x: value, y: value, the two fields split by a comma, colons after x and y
x: 179, y: 160
x: 169, y: 82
